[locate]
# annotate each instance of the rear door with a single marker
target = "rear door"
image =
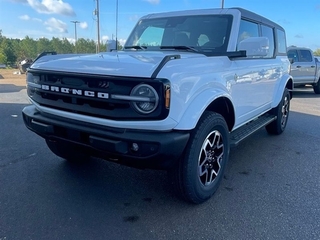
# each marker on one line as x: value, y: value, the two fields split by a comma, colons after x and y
x: 303, y: 68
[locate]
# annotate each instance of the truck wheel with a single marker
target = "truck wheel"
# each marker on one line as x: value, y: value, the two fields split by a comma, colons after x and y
x: 68, y: 151
x: 316, y: 87
x: 282, y: 113
x: 197, y: 175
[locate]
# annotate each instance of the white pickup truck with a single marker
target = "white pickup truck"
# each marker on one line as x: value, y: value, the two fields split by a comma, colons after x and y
x: 305, y: 68
x: 186, y: 87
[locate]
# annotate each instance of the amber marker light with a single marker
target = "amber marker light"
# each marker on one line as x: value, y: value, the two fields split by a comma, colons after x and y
x: 167, y: 96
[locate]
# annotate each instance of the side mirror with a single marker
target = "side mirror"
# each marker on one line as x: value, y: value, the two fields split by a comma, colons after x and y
x: 317, y: 60
x: 255, y: 46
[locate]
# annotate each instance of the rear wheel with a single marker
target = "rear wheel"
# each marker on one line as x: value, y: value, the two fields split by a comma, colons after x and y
x: 197, y: 175
x: 68, y: 151
x: 316, y: 87
x: 282, y: 113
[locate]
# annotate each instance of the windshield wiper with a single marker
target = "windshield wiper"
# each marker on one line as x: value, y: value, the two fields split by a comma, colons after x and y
x: 192, y: 49
x: 136, y: 47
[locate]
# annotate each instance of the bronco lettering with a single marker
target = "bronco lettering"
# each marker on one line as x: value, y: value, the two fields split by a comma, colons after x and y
x: 75, y: 91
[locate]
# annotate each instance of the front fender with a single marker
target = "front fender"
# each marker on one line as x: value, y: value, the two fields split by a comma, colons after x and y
x: 285, y: 82
x: 197, y: 106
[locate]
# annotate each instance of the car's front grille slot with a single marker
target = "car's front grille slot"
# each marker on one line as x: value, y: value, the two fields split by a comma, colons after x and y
x: 91, y: 95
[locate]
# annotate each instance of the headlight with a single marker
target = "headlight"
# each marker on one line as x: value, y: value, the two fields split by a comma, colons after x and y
x: 32, y: 78
x: 146, y: 98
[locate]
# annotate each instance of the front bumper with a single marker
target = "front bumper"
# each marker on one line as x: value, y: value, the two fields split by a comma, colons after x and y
x: 137, y: 148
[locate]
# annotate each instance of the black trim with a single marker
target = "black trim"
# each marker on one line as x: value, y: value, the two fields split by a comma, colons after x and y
x: 163, y: 62
x: 157, y: 149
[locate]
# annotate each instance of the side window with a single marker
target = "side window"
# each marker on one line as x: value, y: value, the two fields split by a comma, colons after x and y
x: 281, y: 38
x: 268, y: 32
x: 294, y: 55
x: 305, y: 56
x: 247, y: 29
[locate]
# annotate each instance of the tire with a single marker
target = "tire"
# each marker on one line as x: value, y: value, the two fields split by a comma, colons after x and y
x: 68, y: 151
x: 282, y: 113
x: 206, y: 155
x: 316, y: 87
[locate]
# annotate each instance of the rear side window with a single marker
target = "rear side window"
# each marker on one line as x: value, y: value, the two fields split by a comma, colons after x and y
x: 282, y: 46
x: 268, y: 33
x: 305, y: 56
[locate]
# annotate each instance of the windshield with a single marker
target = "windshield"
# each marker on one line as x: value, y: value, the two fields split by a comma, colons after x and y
x: 201, y: 33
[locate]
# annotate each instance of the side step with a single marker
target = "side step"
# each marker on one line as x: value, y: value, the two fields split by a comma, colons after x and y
x: 241, y: 133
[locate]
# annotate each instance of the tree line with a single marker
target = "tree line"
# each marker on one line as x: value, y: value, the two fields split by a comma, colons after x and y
x: 13, y: 51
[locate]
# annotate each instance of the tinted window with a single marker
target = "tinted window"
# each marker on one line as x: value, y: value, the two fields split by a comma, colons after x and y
x: 268, y: 32
x: 247, y: 29
x: 148, y: 37
x: 206, y: 33
x: 305, y: 56
x: 282, y: 46
x: 294, y: 55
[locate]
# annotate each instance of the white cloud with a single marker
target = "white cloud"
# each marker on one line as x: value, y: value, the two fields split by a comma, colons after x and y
x: 153, y: 1
x: 28, y: 18
x: 122, y: 41
x: 25, y: 17
x: 49, y: 6
x: 55, y: 25
x: 37, y: 19
x: 83, y: 25
x: 134, y: 18
x: 105, y: 38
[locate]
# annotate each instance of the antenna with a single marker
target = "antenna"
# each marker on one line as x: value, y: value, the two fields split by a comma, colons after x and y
x: 222, y: 3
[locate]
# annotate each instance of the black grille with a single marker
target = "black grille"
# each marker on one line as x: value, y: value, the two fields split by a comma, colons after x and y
x: 67, y: 96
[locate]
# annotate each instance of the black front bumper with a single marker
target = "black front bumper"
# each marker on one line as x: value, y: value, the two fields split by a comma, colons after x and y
x: 137, y: 148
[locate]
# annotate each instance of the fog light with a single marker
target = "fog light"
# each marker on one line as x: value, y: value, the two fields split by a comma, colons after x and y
x: 135, y: 147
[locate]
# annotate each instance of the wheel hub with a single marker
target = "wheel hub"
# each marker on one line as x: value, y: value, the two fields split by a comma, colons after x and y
x: 210, y: 158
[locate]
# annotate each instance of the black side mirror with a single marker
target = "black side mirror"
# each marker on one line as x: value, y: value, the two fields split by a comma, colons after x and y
x: 291, y: 60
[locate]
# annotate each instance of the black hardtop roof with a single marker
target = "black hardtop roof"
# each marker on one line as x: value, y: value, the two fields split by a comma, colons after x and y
x: 246, y: 14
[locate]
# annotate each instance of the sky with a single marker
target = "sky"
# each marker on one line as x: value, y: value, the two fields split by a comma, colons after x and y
x: 54, y: 18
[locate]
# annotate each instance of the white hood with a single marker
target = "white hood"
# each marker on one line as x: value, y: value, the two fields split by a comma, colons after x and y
x: 128, y: 63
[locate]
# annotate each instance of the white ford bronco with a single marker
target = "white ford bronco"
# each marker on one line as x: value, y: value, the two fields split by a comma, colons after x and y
x: 187, y: 86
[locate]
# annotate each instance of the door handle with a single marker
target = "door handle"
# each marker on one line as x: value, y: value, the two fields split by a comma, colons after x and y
x: 313, y: 66
x: 298, y: 66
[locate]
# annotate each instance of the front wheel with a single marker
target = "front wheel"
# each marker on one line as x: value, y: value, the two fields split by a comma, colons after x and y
x: 282, y: 113
x: 198, y: 174
x: 68, y: 151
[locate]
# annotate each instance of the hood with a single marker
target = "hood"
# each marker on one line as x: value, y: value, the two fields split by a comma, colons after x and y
x: 123, y: 63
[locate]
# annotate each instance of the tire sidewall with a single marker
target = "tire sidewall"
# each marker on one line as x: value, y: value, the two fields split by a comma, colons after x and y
x: 192, y: 157
x: 280, y: 114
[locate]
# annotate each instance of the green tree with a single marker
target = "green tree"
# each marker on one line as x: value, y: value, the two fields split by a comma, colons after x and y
x: 6, y: 49
x: 29, y: 47
x: 44, y: 45
x: 86, y: 46
x: 317, y: 52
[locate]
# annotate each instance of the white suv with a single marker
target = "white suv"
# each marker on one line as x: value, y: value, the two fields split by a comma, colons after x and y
x: 186, y: 87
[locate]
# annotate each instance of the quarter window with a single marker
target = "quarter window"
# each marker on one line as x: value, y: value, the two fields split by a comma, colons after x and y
x: 268, y: 32
x: 282, y: 46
